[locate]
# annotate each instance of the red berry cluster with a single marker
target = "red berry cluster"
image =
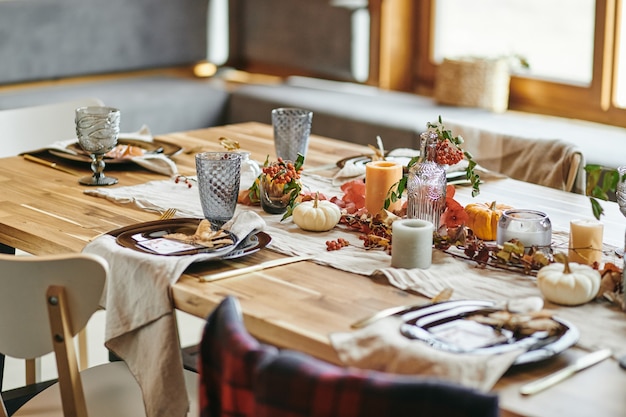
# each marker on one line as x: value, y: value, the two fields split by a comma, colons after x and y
x: 184, y: 179
x: 282, y: 172
x: 447, y: 153
x: 336, y: 244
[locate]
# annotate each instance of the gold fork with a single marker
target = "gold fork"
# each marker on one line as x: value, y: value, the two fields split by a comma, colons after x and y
x: 168, y: 214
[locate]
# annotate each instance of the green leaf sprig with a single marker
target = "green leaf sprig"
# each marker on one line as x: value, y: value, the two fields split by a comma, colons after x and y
x: 600, y: 182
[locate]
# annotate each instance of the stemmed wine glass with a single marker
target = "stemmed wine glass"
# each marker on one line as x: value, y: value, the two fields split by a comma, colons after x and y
x: 97, y: 129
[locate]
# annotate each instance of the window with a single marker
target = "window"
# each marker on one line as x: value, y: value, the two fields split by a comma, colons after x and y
x: 620, y: 71
x: 558, y: 49
x: 576, y: 49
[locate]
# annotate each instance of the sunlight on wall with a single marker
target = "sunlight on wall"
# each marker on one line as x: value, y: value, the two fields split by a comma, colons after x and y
x: 217, y: 32
x: 360, y: 44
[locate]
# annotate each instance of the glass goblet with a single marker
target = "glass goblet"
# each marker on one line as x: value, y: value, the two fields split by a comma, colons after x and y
x: 97, y: 129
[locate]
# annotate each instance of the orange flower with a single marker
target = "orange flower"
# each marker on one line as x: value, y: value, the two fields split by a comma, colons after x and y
x: 454, y: 214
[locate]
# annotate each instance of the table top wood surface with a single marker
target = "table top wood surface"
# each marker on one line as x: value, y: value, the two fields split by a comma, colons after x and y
x: 44, y: 211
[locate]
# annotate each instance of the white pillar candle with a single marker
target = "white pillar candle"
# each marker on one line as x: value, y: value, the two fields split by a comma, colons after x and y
x: 411, y: 244
x: 585, y: 241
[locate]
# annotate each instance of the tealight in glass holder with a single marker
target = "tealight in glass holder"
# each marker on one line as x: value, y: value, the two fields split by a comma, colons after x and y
x: 530, y: 227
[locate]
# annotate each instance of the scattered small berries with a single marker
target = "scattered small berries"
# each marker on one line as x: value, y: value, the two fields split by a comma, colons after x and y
x: 336, y: 244
x: 184, y: 179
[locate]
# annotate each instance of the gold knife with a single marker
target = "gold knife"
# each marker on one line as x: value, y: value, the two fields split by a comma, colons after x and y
x: 254, y: 268
x: 49, y: 164
x: 388, y: 312
x: 558, y: 376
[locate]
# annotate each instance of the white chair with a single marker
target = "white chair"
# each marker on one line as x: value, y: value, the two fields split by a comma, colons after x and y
x: 30, y: 128
x: 54, y: 297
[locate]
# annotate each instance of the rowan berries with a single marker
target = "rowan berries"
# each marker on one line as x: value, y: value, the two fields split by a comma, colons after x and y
x: 336, y: 244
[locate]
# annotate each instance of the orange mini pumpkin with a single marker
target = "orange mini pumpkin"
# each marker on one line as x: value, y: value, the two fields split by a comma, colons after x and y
x: 484, y: 217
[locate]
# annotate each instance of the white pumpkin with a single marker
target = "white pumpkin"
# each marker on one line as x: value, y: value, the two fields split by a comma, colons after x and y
x: 568, y: 283
x: 317, y: 215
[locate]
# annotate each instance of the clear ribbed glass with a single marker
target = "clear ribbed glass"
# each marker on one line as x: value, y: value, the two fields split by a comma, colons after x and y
x: 426, y: 184
x: 218, y: 184
x: 620, y: 192
x: 292, y: 128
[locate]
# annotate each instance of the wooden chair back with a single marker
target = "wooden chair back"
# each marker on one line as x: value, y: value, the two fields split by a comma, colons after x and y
x: 54, y: 298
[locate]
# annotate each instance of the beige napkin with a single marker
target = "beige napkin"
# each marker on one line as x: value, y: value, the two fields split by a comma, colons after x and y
x: 380, y: 346
x: 140, y: 324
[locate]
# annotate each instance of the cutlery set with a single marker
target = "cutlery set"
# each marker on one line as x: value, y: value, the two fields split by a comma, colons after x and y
x: 49, y: 164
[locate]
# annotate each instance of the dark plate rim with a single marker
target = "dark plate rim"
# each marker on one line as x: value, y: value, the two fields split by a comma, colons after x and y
x: 122, y: 236
x: 539, y: 351
x: 367, y: 158
x: 456, y: 177
x: 168, y: 150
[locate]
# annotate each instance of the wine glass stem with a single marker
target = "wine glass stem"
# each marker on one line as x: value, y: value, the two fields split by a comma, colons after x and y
x: 97, y: 165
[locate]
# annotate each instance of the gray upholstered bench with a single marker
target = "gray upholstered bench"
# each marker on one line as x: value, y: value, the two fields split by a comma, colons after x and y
x: 359, y: 113
x: 57, y: 50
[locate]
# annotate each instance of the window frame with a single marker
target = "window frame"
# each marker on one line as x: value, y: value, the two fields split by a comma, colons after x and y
x: 592, y: 103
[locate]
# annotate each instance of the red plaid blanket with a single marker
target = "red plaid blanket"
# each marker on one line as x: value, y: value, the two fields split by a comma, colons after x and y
x: 241, y: 377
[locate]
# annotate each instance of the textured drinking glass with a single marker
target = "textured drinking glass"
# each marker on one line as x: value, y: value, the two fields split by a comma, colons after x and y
x: 620, y: 192
x: 292, y: 128
x: 97, y: 129
x: 218, y: 184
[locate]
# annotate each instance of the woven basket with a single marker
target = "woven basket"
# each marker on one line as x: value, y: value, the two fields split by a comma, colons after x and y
x: 472, y: 82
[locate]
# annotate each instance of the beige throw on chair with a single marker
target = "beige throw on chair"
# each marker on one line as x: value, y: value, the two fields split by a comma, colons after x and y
x: 551, y: 162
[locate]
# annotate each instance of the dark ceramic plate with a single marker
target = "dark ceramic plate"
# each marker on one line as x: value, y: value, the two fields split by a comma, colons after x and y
x: 444, y: 327
x: 453, y: 177
x: 155, y: 146
x: 364, y: 159
x: 136, y: 236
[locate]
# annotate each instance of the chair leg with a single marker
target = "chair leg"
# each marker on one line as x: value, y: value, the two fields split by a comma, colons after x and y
x: 33, y: 371
x: 1, y: 370
x: 83, y: 359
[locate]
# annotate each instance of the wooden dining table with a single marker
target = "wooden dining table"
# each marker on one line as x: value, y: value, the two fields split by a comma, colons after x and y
x: 45, y: 211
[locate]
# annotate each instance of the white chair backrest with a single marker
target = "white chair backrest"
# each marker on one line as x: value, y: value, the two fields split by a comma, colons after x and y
x: 29, y: 128
x: 24, y: 280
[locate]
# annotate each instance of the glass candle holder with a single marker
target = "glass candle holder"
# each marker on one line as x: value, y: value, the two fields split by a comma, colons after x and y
x: 275, y: 194
x: 531, y: 227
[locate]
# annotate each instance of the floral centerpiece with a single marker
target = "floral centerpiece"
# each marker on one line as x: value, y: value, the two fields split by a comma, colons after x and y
x: 448, y: 151
x: 278, y: 186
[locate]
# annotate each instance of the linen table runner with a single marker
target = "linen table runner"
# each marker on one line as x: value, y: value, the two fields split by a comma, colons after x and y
x: 598, y: 322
